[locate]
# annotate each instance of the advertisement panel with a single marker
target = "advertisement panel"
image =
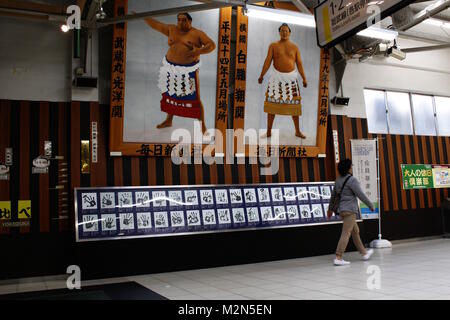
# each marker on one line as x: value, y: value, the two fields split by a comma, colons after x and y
x: 417, y: 176
x: 364, y: 159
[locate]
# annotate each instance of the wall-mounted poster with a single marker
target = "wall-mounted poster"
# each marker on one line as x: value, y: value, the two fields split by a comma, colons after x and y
x: 286, y: 87
x: 441, y: 176
x: 164, y: 77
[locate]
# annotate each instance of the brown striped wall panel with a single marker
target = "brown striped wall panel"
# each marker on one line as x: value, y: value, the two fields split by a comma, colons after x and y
x: 24, y: 127
x: 394, y: 151
x: 27, y: 124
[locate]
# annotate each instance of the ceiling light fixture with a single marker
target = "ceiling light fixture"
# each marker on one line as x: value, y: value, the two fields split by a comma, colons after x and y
x: 65, y: 28
x: 286, y: 16
x: 378, y: 33
x: 437, y: 23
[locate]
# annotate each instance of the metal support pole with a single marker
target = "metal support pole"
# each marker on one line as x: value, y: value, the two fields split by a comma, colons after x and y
x: 380, y: 242
x: 378, y: 189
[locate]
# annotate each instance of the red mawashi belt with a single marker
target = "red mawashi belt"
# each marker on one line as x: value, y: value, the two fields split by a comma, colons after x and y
x: 182, y: 108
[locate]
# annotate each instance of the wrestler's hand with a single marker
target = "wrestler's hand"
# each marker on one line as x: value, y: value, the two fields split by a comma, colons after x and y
x: 260, y: 79
x: 195, y: 52
x: 305, y: 84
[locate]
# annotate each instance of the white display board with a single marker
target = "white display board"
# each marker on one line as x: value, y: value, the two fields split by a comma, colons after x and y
x: 364, y: 159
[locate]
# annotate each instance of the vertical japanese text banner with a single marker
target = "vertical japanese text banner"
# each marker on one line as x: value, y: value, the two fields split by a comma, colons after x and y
x: 364, y: 159
x: 240, y: 73
x: 223, y: 71
x: 118, y: 76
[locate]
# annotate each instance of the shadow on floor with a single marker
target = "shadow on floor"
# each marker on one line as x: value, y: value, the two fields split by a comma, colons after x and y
x: 116, y: 291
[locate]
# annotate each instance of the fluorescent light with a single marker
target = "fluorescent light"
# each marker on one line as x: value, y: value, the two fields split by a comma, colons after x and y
x: 286, y: 16
x: 433, y: 22
x: 378, y: 33
x: 437, y: 23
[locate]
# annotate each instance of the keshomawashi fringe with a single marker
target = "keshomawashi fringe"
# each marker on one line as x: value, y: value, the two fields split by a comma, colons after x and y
x: 179, y: 87
x: 283, y: 94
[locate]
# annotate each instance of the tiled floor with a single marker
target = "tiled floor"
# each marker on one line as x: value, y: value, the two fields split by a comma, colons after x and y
x: 411, y: 270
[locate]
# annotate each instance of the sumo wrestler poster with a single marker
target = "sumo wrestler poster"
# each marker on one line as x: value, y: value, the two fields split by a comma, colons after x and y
x: 285, y: 73
x: 171, y: 74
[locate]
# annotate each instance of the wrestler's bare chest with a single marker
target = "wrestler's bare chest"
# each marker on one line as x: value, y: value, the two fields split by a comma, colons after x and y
x: 284, y: 51
x: 188, y: 39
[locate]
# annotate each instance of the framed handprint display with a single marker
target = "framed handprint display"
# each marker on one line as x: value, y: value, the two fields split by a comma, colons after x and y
x: 134, y: 212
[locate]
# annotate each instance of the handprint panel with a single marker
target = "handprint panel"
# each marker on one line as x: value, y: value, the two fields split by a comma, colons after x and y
x: 89, y: 201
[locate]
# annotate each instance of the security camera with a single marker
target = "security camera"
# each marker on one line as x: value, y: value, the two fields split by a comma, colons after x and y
x: 396, y: 53
x: 340, y: 101
x: 100, y: 14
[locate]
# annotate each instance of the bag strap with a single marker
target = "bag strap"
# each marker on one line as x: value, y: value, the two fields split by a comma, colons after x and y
x: 340, y: 191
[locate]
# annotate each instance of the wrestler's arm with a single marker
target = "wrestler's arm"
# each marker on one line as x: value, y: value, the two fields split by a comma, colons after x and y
x: 267, y: 63
x: 158, y: 26
x: 207, y: 44
x: 298, y: 60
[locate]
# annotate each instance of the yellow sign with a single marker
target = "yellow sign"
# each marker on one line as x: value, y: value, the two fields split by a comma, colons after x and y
x: 326, y: 24
x: 5, y: 210
x: 24, y: 209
